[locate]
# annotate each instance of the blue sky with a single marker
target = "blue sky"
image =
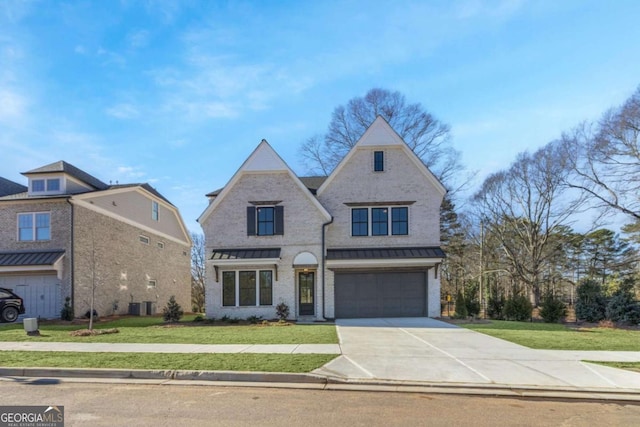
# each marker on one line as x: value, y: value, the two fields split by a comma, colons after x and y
x: 178, y: 93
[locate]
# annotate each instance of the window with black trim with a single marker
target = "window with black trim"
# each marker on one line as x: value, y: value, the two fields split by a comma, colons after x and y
x: 360, y: 222
x: 378, y: 161
x: 265, y: 220
x: 247, y: 288
x: 400, y: 221
x: 229, y: 288
x: 379, y: 221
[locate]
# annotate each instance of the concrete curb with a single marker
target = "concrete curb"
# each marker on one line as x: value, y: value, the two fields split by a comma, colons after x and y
x: 313, y: 381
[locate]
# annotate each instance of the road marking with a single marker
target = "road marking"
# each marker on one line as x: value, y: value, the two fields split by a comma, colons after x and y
x: 447, y: 354
x: 358, y: 366
x: 599, y: 374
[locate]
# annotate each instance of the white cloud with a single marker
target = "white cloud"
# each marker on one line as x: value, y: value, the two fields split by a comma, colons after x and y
x: 130, y: 172
x: 13, y: 106
x: 138, y: 39
x: 123, y: 111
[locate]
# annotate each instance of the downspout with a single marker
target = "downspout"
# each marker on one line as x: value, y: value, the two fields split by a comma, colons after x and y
x: 324, y: 270
x: 71, y: 263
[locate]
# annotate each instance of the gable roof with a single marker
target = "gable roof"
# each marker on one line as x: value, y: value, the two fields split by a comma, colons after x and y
x: 62, y: 166
x: 8, y: 187
x: 144, y: 185
x: 264, y: 159
x: 381, y: 134
x: 311, y: 182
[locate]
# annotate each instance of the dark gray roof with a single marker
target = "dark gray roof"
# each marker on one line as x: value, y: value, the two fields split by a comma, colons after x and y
x: 386, y: 253
x: 9, y: 187
x: 26, y: 258
x: 146, y: 186
x: 256, y: 253
x: 311, y: 182
x: 62, y: 166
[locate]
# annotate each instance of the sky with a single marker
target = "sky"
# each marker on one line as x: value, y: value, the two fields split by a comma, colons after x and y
x: 179, y: 93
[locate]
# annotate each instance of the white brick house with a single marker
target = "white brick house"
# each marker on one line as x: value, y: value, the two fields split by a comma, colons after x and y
x: 362, y: 242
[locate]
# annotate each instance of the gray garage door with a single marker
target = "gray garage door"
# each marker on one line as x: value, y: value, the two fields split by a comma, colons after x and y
x: 41, y: 293
x: 380, y: 294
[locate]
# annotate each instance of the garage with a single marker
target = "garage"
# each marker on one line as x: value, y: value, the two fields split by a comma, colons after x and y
x: 380, y: 294
x: 40, y: 292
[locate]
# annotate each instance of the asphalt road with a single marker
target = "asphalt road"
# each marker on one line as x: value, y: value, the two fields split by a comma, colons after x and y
x: 113, y: 404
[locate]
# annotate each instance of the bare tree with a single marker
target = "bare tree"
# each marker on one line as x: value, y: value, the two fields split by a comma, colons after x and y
x: 523, y: 206
x: 605, y: 158
x: 428, y: 137
x: 198, y: 258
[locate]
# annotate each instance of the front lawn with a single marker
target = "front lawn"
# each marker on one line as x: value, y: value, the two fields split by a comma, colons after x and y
x: 629, y: 366
x: 153, y: 330
x: 552, y: 336
x: 169, y: 361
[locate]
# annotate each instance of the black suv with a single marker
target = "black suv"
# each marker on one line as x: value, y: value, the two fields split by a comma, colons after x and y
x: 11, y: 306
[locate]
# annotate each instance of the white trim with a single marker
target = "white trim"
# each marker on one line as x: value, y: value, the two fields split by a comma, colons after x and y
x: 371, y: 263
x: 34, y: 227
x: 261, y: 150
x: 25, y: 268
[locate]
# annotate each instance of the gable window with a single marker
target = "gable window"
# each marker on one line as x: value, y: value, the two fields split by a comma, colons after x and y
x: 247, y: 288
x: 378, y: 161
x: 151, y: 284
x: 143, y: 239
x: 399, y: 221
x: 360, y: 222
x: 379, y: 221
x: 34, y: 226
x: 265, y: 220
x: 154, y: 210
x: 37, y: 185
x: 49, y: 185
x: 53, y: 184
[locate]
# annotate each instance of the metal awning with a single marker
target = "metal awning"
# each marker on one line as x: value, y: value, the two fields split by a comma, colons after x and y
x: 30, y: 258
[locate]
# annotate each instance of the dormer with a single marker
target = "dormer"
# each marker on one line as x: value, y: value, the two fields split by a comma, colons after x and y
x: 61, y: 178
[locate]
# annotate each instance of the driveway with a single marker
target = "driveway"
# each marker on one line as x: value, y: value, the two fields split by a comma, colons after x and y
x: 428, y: 350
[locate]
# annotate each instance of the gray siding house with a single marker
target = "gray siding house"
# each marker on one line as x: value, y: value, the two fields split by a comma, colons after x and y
x: 67, y: 234
x: 362, y: 242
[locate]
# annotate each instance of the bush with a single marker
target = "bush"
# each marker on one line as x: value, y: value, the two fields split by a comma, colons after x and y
x: 473, y: 306
x: 518, y: 307
x: 461, y: 307
x: 172, y: 312
x: 67, y: 311
x: 495, y: 307
x: 623, y: 308
x: 254, y: 320
x: 590, y: 302
x: 552, y: 309
x: 282, y: 311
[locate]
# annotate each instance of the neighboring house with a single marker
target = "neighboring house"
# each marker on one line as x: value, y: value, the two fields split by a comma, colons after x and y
x: 69, y: 234
x: 8, y: 188
x: 362, y: 242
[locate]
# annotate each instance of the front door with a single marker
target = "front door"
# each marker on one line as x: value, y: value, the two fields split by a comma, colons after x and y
x: 306, y: 286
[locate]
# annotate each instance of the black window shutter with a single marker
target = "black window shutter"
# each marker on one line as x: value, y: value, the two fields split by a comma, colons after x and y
x: 251, y: 221
x: 279, y: 220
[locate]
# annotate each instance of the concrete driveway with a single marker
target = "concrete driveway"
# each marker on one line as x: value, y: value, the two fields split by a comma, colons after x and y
x: 428, y: 350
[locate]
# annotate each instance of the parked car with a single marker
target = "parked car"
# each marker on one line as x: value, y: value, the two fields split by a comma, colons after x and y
x: 11, y: 306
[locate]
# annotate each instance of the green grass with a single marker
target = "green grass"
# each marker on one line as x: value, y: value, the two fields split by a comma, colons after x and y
x: 191, y: 361
x: 153, y: 330
x: 630, y: 366
x: 551, y: 336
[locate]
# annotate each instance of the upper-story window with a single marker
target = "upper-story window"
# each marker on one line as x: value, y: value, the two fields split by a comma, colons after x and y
x: 49, y: 185
x: 34, y: 226
x: 154, y: 210
x: 265, y: 220
x: 381, y: 221
x: 378, y: 161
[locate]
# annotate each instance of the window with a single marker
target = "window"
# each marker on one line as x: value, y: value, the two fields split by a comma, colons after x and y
x: 379, y: 221
x: 143, y: 239
x: 151, y: 284
x: 360, y: 222
x: 252, y: 288
x: 399, y: 221
x: 34, y: 226
x: 378, y: 161
x: 154, y: 210
x: 161, y: 245
x: 37, y: 185
x: 53, y: 184
x: 265, y: 220
x: 266, y: 287
x: 229, y: 288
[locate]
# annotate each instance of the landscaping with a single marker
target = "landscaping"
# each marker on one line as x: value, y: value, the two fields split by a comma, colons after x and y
x: 174, y: 361
x: 553, y: 336
x: 154, y: 330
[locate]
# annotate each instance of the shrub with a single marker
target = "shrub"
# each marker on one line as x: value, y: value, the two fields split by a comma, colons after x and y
x: 172, y: 312
x: 591, y: 302
x: 623, y: 308
x: 225, y: 318
x: 495, y: 307
x: 199, y: 318
x: 518, y: 307
x: 461, y: 307
x: 473, y: 306
x: 282, y: 311
x: 254, y: 319
x: 67, y: 311
x: 552, y: 309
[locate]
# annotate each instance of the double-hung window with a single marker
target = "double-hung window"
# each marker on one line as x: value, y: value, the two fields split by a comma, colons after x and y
x: 34, y: 226
x: 247, y: 288
x: 378, y: 161
x: 384, y: 221
x: 154, y: 210
x: 265, y: 220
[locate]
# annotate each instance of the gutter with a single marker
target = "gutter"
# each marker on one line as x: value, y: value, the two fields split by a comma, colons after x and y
x: 324, y: 270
